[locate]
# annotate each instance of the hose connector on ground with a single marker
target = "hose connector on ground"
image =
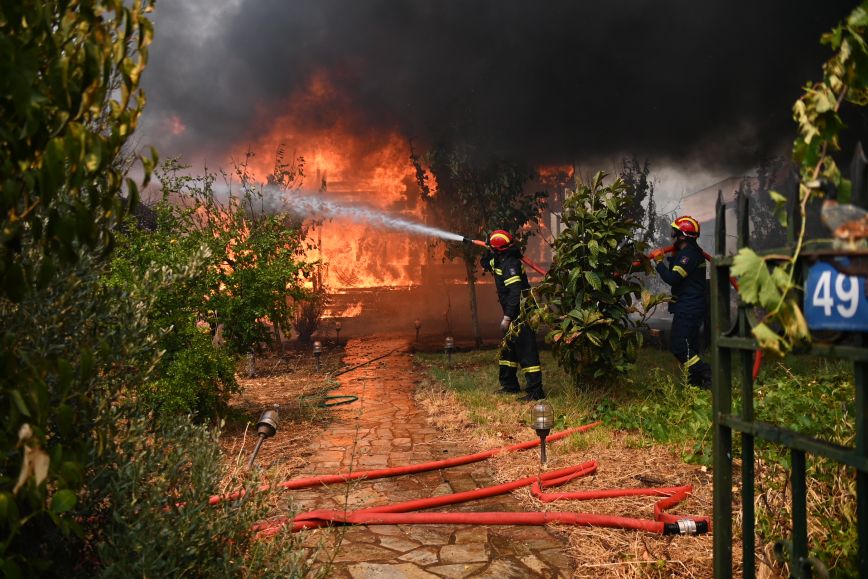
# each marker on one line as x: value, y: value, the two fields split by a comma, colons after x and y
x: 686, y: 527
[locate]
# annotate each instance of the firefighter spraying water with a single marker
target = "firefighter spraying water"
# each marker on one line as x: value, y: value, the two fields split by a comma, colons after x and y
x: 685, y: 274
x: 519, y: 346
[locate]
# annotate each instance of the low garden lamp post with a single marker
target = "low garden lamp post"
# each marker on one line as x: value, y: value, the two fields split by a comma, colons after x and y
x: 338, y: 331
x: 266, y: 428
x: 542, y: 420
x: 418, y: 325
x: 450, y: 345
x: 317, y: 352
x: 656, y: 336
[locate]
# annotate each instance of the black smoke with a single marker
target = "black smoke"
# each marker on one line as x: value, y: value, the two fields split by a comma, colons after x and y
x: 559, y: 81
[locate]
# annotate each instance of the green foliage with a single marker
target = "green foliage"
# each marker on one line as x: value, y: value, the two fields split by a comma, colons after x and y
x: 198, y: 378
x: 68, y: 349
x: 816, y: 400
x: 231, y: 264
x: 153, y: 516
x: 69, y: 99
x: 845, y: 79
x: 774, y: 291
x: 592, y: 298
x: 666, y: 411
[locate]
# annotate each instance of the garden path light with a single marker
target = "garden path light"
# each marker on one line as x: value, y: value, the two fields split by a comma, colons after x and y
x: 542, y: 420
x: 265, y: 428
x: 317, y: 352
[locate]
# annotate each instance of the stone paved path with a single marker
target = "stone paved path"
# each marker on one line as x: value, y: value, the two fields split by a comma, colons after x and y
x: 383, y: 429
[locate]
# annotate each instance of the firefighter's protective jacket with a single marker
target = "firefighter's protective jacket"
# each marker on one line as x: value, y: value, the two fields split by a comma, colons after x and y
x: 686, y: 274
x: 509, y: 279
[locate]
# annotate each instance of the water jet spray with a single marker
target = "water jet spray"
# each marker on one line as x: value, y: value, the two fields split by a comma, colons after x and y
x: 319, y: 208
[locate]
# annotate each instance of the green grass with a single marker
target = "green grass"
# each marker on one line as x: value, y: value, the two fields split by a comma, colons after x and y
x: 655, y: 404
x: 650, y: 400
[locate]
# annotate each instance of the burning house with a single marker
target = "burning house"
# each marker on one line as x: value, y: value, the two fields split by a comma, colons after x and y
x: 348, y: 87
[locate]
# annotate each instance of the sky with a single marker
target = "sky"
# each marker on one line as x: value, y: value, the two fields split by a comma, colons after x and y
x: 701, y: 89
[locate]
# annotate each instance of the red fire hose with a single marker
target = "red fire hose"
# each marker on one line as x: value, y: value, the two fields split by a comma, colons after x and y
x: 303, y: 483
x: 399, y: 513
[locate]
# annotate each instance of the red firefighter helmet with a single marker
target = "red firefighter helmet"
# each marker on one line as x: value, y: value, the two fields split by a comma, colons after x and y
x: 500, y: 240
x: 687, y: 226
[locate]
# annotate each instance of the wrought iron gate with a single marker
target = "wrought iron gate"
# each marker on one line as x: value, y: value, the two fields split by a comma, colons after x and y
x: 731, y: 338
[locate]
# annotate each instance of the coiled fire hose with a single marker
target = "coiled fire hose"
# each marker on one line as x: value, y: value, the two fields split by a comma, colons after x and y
x: 398, y: 513
x: 327, y: 401
x: 303, y: 483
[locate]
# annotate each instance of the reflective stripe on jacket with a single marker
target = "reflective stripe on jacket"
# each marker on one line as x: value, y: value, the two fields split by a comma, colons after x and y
x: 509, y: 279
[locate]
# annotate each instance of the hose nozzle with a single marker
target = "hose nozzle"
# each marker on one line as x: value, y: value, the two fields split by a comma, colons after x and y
x: 469, y: 241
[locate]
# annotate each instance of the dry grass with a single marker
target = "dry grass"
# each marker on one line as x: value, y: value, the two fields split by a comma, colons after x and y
x: 291, y: 382
x: 622, y: 464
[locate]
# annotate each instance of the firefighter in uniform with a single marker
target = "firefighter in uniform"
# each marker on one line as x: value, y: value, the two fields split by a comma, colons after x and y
x: 686, y: 275
x: 504, y: 261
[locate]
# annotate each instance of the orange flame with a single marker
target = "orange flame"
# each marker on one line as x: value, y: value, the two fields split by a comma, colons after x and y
x: 371, y: 169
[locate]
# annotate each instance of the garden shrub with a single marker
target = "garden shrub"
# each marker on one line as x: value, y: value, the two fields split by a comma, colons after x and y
x: 198, y: 378
x: 151, y: 518
x: 592, y: 298
x: 69, y: 100
x: 231, y: 264
x: 73, y: 347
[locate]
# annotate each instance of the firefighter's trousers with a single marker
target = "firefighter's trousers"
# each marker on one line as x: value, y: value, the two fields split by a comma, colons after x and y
x: 684, y: 344
x: 520, y: 350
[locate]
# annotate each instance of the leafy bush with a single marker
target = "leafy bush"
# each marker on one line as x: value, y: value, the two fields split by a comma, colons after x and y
x: 592, y: 294
x: 68, y: 350
x: 152, y: 518
x: 257, y: 254
x: 198, y: 378
x: 231, y: 264
x: 192, y: 375
x: 69, y: 100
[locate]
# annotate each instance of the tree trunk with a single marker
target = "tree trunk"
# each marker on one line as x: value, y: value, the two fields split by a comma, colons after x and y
x: 474, y: 310
x: 278, y: 339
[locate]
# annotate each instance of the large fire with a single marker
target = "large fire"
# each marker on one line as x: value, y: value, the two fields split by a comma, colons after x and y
x: 371, y: 169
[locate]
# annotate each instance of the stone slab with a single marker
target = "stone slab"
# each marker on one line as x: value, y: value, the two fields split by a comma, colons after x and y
x: 386, y: 571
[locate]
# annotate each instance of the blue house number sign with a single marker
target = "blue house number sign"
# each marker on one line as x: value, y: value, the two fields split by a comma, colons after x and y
x: 834, y: 300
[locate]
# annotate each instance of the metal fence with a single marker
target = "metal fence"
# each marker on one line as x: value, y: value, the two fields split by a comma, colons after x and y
x: 731, y: 342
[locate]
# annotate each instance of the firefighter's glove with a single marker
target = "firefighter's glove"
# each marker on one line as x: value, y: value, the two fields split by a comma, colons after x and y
x: 504, y: 324
x: 657, y: 256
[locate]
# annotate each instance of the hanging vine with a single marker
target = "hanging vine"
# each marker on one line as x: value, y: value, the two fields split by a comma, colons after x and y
x: 768, y: 281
